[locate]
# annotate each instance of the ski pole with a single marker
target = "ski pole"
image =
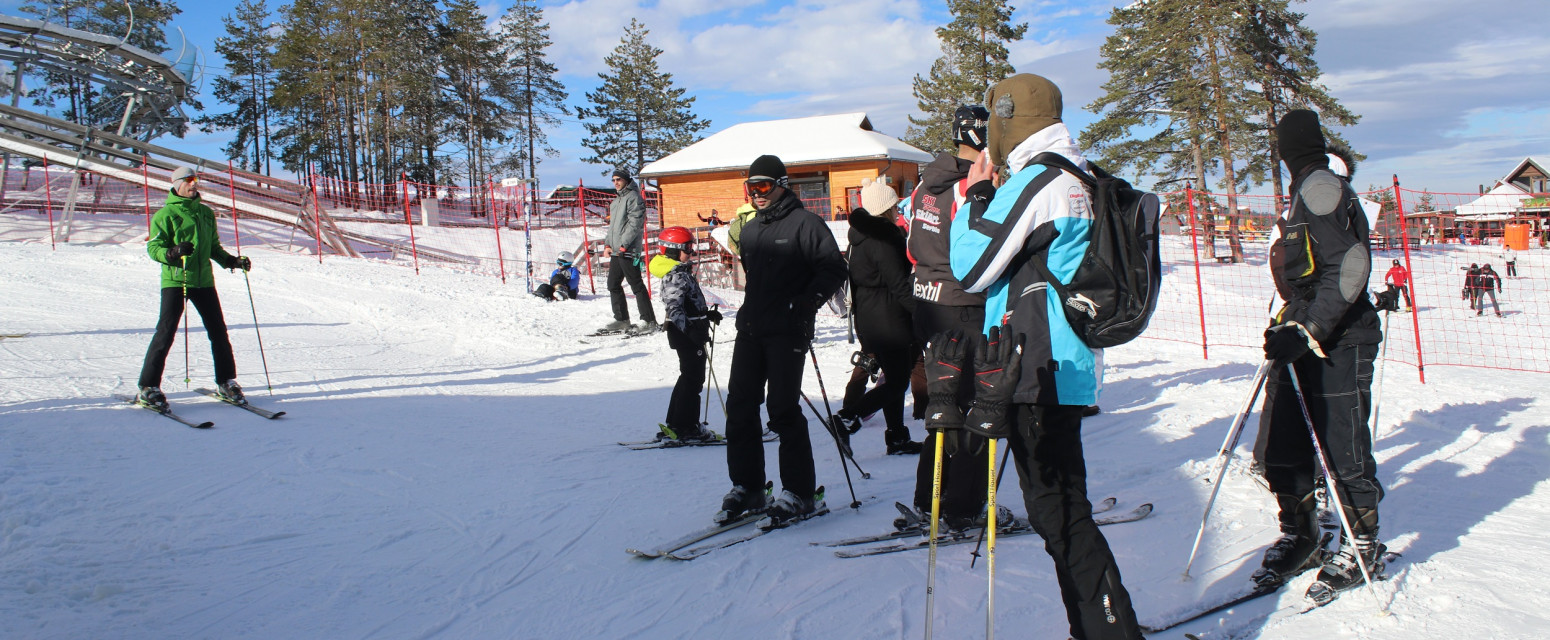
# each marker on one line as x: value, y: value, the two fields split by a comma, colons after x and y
x: 260, y: 334
x: 990, y: 544
x: 186, y: 378
x: 975, y: 555
x: 1377, y: 400
x: 936, y: 507
x: 1228, y: 445
x: 843, y: 454
x: 830, y: 411
x: 710, y: 366
x: 854, y: 503
x: 1334, y: 490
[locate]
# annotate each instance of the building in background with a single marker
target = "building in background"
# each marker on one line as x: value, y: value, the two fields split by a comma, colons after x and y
x: 826, y: 157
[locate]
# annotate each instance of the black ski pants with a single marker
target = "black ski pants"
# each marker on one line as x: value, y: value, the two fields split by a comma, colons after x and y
x: 772, y: 362
x: 209, y: 307
x: 1338, y: 393
x: 620, y: 269
x: 683, y: 410
x: 964, y: 480
x: 1046, y: 444
x: 888, y: 395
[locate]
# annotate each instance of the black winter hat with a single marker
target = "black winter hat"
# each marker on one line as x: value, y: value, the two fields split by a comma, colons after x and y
x: 621, y: 173
x: 1301, y: 141
x: 767, y: 167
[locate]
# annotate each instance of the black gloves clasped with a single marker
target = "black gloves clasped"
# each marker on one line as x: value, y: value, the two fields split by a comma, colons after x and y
x: 179, y: 251
x: 997, y: 368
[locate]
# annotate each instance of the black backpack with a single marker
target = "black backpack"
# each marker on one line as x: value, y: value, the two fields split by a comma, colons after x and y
x: 1114, y: 291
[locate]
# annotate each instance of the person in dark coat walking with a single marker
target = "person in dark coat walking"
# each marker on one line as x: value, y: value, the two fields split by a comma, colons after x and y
x: 882, y: 304
x: 793, y: 266
x: 1328, y: 333
x: 623, y: 246
x: 1487, y: 283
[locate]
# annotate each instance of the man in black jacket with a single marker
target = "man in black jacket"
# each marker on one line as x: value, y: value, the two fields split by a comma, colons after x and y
x: 942, y: 305
x: 1328, y: 333
x: 793, y: 266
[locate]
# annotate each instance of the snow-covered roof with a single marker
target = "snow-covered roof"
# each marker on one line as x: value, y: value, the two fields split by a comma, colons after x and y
x: 1505, y: 198
x: 796, y: 141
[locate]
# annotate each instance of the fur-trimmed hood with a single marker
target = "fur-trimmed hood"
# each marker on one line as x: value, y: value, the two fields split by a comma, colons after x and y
x: 1343, y: 153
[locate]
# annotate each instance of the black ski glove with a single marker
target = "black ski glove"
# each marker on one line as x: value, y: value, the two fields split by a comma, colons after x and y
x: 805, y: 307
x: 179, y: 250
x: 997, y: 367
x: 239, y: 262
x: 1288, y: 341
x: 945, y: 357
x: 713, y: 314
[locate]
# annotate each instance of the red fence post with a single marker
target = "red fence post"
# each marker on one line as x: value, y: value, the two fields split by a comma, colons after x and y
x: 1194, y: 242
x: 231, y: 184
x: 1415, y: 320
x: 317, y: 215
x: 500, y: 253
x: 145, y: 192
x: 48, y: 195
x: 586, y: 245
x: 403, y: 181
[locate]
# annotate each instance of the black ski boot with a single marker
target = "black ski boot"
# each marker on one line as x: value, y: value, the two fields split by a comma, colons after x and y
x: 153, y: 398
x: 790, y: 507
x: 843, y: 425
x: 899, y: 443
x: 1341, y: 571
x: 742, y: 501
x: 1298, y: 548
x: 231, y: 392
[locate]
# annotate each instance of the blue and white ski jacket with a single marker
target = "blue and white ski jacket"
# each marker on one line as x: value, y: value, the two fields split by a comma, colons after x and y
x: 1038, y: 206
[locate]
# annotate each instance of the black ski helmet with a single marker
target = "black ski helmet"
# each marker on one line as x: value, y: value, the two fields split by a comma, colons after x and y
x: 969, y: 124
x: 1396, y: 262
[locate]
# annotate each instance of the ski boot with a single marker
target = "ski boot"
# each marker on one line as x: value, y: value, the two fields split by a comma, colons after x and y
x: 231, y: 392
x: 1298, y: 549
x: 617, y: 326
x: 899, y: 443
x: 644, y: 328
x: 742, y: 501
x: 153, y: 398
x: 1341, y: 571
x: 909, y: 519
x: 698, y: 434
x: 790, y: 507
x: 844, y: 424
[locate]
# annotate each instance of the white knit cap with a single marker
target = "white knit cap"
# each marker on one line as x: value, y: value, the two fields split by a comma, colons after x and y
x: 877, y: 198
x: 182, y: 173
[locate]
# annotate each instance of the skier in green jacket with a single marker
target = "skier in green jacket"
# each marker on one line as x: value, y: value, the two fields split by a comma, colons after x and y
x: 184, y: 240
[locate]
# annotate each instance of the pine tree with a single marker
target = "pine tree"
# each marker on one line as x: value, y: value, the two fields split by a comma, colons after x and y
x: 533, y: 90
x: 470, y: 58
x: 974, y: 57
x: 248, y: 49
x: 637, y: 115
x: 1284, y: 69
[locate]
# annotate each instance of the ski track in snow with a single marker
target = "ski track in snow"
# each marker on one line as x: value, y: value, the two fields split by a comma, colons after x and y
x: 448, y: 469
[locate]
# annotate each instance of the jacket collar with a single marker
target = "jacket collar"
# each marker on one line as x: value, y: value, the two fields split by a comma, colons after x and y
x: 1054, y: 138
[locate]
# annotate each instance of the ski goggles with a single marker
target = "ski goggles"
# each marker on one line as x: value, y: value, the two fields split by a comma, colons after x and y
x: 761, y: 187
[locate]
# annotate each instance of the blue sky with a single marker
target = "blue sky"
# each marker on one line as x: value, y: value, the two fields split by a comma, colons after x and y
x: 1452, y: 95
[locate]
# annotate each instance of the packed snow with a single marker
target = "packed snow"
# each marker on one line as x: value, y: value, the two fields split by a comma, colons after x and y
x: 448, y: 468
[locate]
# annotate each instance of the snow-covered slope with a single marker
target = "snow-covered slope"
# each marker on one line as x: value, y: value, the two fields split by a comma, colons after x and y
x: 448, y: 469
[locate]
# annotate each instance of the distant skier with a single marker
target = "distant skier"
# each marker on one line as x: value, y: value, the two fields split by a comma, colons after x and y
x: 1510, y: 258
x: 1487, y: 284
x: 1328, y: 332
x: 688, y: 329
x: 184, y: 240
x: 880, y: 286
x: 793, y: 266
x: 1400, y: 278
x: 564, y: 282
x: 1472, y: 286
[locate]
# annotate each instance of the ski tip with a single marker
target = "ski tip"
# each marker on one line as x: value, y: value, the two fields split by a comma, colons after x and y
x: 203, y: 425
x: 277, y: 415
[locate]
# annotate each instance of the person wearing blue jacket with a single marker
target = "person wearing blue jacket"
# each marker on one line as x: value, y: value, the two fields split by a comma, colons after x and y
x: 1042, y: 209
x: 564, y: 282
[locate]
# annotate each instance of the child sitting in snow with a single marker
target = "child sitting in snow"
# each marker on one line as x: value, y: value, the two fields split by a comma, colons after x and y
x: 688, y: 330
x: 564, y: 283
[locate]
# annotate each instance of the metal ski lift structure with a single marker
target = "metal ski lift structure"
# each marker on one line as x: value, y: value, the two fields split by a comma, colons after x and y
x: 143, y: 91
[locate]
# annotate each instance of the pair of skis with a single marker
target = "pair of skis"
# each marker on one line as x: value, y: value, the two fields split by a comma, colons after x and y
x: 685, y: 548
x: 642, y: 445
x: 1019, y: 527
x: 271, y: 415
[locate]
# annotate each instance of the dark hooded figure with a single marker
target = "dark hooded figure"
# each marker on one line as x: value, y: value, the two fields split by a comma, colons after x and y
x: 1327, y: 333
